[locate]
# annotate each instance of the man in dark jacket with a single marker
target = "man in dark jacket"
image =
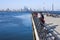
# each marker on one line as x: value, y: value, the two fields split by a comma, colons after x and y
x: 42, y: 18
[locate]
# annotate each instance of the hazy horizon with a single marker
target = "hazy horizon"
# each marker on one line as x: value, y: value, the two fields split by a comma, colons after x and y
x: 34, y: 4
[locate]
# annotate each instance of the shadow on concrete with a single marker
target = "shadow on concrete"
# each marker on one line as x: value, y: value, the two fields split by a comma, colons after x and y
x: 48, y: 24
x: 52, y: 27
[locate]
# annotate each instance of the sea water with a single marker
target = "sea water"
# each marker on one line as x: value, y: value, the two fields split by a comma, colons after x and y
x: 15, y: 26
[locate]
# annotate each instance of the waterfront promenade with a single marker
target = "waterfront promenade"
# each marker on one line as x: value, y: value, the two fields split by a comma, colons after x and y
x: 53, y: 22
x: 50, y: 31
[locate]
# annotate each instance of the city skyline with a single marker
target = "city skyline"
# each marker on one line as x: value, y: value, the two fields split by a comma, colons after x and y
x: 33, y: 4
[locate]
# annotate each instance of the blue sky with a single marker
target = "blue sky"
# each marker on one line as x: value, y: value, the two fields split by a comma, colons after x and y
x: 36, y: 4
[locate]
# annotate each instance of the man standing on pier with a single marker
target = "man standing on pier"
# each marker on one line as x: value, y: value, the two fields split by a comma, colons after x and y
x: 41, y: 17
x: 41, y: 23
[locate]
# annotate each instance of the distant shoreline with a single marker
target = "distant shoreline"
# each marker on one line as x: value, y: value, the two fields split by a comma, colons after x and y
x: 51, y: 12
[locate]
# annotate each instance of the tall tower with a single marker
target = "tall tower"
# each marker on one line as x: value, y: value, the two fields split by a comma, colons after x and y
x: 52, y: 7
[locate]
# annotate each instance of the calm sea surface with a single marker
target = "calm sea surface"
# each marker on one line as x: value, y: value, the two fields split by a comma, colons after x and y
x: 15, y: 26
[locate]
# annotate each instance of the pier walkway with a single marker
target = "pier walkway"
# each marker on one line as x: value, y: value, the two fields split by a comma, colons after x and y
x: 48, y: 31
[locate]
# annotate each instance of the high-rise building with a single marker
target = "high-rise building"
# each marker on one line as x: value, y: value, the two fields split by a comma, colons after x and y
x: 52, y: 7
